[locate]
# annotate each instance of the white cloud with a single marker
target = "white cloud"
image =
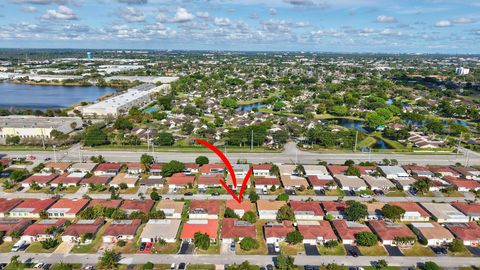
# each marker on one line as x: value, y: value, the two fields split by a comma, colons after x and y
x: 222, y: 21
x: 443, y: 23
x: 133, y: 2
x: 272, y: 12
x: 463, y: 20
x: 131, y: 14
x: 61, y: 13
x: 386, y: 19
x: 182, y: 15
x: 203, y: 15
x: 29, y: 9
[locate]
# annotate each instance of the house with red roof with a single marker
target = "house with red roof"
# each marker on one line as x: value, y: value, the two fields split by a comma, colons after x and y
x: 10, y: 225
x: 334, y: 209
x: 276, y: 232
x: 366, y: 170
x: 262, y: 170
x: 472, y: 210
x: 420, y: 171
x: 204, y: 209
x: 204, y: 226
x: 8, y: 204
x: 307, y: 210
x: 74, y: 232
x: 156, y: 168
x: 388, y: 232
x: 239, y: 208
x: 322, y: 182
x: 41, y: 179
x: 107, y: 203
x: 337, y: 169
x: 180, y: 180
x: 266, y: 183
x: 56, y: 167
x: 143, y: 206
x: 209, y: 181
x: 413, y: 211
x: 6, y: 162
x: 212, y: 169
x: 96, y: 180
x: 43, y: 229
x: 468, y: 172
x: 191, y: 168
x: 463, y: 185
x: 347, y: 230
x: 444, y: 171
x: 316, y: 232
x: 469, y: 232
x: 31, y: 208
x: 135, y: 168
x: 121, y: 230
x: 68, y: 179
x: 107, y: 169
x: 66, y: 208
x: 233, y: 228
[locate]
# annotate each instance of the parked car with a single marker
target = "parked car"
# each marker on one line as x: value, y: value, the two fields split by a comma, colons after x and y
x: 181, y: 266
x: 18, y: 245
x: 269, y: 266
x: 276, y: 247
x: 215, y: 194
x: 232, y: 246
x: 173, y: 266
x: 142, y: 246
x: 365, y: 196
x: 188, y: 194
x: 2, y: 266
x: 38, y: 265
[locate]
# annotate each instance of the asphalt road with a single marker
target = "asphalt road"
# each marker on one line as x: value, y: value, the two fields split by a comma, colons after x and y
x: 290, y: 155
x: 254, y: 259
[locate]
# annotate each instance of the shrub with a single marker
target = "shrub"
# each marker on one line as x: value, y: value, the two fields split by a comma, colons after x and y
x: 249, y: 243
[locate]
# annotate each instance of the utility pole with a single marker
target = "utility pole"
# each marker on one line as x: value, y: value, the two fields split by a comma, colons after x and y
x: 356, y: 139
x: 54, y: 153
x: 467, y: 158
x: 251, y: 141
x: 43, y: 139
x: 369, y: 154
x: 459, y: 142
x: 80, y: 153
x: 148, y: 140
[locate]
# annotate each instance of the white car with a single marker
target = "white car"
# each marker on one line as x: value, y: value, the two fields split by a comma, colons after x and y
x: 38, y: 265
x: 173, y: 266
x: 276, y: 246
x: 365, y: 196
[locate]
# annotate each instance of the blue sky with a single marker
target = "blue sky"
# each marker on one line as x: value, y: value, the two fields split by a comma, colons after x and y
x: 402, y: 26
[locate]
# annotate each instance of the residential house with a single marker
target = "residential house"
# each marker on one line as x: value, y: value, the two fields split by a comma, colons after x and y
x: 105, y: 203
x: 205, y: 226
x: 276, y: 232
x: 315, y: 170
x: 171, y: 208
x: 352, y: 183
x: 462, y: 184
x: 444, y: 212
x: 444, y: 171
x: 337, y: 169
x: 233, y: 229
x: 135, y: 168
x: 291, y: 179
x: 266, y: 183
x: 160, y: 229
x: 389, y: 233
x: 41, y: 179
x: 420, y: 171
x: 212, y: 169
x: 31, y: 208
x: 393, y: 172
x: 472, y: 210
x: 321, y: 182
x: 269, y: 209
x: 142, y: 206
x: 153, y: 181
x: 307, y: 210
x: 121, y: 230
x: 334, y: 209
x: 68, y: 180
x: 375, y: 210
x: 6, y: 205
x: 95, y: 180
x: 107, y: 169
x: 348, y: 229
x: 129, y: 179
x: 13, y: 225
x: 156, y: 168
x: 74, y: 232
x: 180, y: 180
x: 191, y: 168
x: 468, y: 172
x: 42, y: 230
x: 378, y: 183
x: 239, y: 208
x: 262, y: 170
x: 433, y: 233
x: 469, y: 233
x: 56, y: 167
x: 413, y: 211
x: 82, y: 167
x: 66, y: 208
x: 204, y: 209
x: 209, y: 181
x: 316, y: 232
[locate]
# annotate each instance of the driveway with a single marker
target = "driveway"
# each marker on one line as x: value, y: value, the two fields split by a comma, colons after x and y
x: 225, y: 248
x: 186, y: 248
x: 474, y: 250
x: 352, y: 250
x: 271, y: 250
x: 393, y: 251
x: 311, y: 250
x: 63, y: 248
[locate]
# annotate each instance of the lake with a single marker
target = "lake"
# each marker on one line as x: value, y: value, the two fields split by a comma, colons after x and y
x: 26, y: 96
x: 249, y: 107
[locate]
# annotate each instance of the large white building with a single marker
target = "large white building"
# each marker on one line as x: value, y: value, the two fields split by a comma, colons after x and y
x: 135, y: 97
x: 462, y: 71
x: 27, y: 126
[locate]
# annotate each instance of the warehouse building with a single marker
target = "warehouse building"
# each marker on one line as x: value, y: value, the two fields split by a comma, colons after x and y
x: 27, y: 126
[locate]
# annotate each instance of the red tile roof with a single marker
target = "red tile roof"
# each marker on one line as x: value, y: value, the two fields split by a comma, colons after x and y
x: 415, y: 168
x: 83, y: 227
x: 317, y: 182
x: 8, y: 204
x: 337, y: 169
x: 40, y: 178
x: 207, y: 168
x: 209, y: 227
x: 411, y: 207
x: 122, y: 227
x: 211, y: 206
x: 467, y: 208
x: 74, y: 206
x: 347, y: 232
x: 278, y: 230
x: 322, y: 229
x: 180, y: 179
x: 9, y: 225
x: 266, y: 166
x: 209, y: 180
x: 191, y: 166
x: 135, y: 166
x: 245, y: 205
x: 66, y: 179
x: 36, y: 205
x: 267, y: 181
x: 443, y: 170
x: 364, y: 170
x: 330, y: 206
x: 136, y: 205
x: 5, y: 162
x: 388, y: 231
x: 233, y: 228
x: 103, y: 167
x: 465, y: 231
x: 105, y: 203
x: 300, y: 206
x: 156, y: 166
x: 40, y: 226
x: 464, y: 183
x: 99, y: 180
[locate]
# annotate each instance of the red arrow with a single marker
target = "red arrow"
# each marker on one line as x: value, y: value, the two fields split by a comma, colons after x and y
x: 230, y: 171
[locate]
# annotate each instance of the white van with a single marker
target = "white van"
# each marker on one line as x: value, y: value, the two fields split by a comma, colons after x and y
x: 18, y: 245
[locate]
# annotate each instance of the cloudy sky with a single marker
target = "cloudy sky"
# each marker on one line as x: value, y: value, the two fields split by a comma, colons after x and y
x: 444, y: 26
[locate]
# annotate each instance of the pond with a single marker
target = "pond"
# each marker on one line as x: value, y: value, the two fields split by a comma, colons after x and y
x: 249, y: 107
x: 349, y: 123
x: 26, y: 96
x: 381, y: 144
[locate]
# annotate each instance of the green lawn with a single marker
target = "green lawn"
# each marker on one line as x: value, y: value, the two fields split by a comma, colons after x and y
x: 376, y: 250
x: 94, y: 246
x: 213, y: 249
x: 397, y: 193
x: 200, y: 266
x: 262, y: 248
x: 418, y: 250
x: 334, y: 192
x: 291, y: 250
x: 7, y: 246
x: 367, y: 142
x: 169, y: 248
x: 36, y: 247
x: 335, y: 251
x: 20, y: 267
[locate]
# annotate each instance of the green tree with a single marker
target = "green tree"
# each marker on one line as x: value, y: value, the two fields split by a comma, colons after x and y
x: 431, y: 266
x: 147, y: 160
x: 366, y: 239
x: 49, y: 243
x: 330, y: 244
x: 229, y: 103
x: 154, y: 196
x: 393, y: 212
x: 19, y: 175
x: 248, y: 243
x: 457, y: 245
x: 294, y: 237
x: 164, y: 139
x: 201, y: 160
x: 381, y: 264
x: 355, y: 210
x: 285, y: 262
x: 253, y: 196
x: 148, y: 266
x: 283, y: 197
x: 15, y: 261
x: 109, y: 260
x: 334, y: 266
x: 172, y: 167
x: 122, y: 123
x: 250, y: 216
x: 243, y: 266
x: 422, y: 185
x: 373, y: 120
x: 229, y: 213
x: 352, y: 171
x: 201, y: 240
x: 94, y: 136
x: 285, y: 213
x: 14, y: 140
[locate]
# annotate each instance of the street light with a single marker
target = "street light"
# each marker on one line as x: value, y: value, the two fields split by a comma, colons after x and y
x: 54, y: 153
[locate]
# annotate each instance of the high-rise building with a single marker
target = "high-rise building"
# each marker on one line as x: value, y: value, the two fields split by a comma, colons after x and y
x: 89, y: 55
x: 462, y: 71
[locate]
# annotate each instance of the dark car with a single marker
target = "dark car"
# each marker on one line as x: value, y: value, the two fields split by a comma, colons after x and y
x: 142, y: 246
x: 354, y: 253
x: 188, y: 194
x: 232, y: 246
x: 2, y: 266
x: 269, y: 267
x: 308, y: 267
x: 215, y: 194
x: 181, y: 266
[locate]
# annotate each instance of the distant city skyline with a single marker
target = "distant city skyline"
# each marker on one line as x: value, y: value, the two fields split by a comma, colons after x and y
x: 383, y: 26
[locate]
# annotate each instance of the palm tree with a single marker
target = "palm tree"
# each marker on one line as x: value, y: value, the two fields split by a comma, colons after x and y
x: 109, y: 260
x: 14, y: 261
x: 275, y: 170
